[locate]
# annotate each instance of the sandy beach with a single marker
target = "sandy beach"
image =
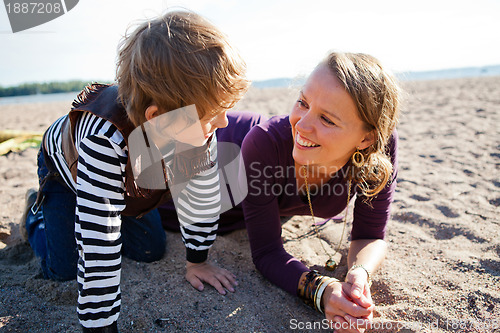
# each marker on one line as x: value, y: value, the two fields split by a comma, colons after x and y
x: 442, y: 272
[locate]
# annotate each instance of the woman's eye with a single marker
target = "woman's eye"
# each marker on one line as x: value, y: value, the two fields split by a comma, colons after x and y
x: 302, y: 103
x: 328, y: 121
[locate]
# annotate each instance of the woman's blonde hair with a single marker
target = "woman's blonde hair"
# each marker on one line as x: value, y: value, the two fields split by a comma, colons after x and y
x: 377, y: 97
x: 177, y: 60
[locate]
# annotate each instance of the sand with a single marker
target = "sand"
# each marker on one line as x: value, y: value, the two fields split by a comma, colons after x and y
x: 442, y: 272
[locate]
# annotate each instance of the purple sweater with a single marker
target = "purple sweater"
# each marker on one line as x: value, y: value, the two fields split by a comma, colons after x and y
x: 267, y: 154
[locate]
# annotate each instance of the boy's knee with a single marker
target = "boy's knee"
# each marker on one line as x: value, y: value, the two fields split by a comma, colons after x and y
x: 152, y: 250
x: 158, y: 247
x: 58, y: 273
x: 153, y: 255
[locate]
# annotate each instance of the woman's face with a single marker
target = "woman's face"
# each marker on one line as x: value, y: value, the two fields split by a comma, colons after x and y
x: 326, y: 127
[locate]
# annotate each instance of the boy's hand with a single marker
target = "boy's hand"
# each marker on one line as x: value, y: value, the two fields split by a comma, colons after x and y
x: 219, y: 278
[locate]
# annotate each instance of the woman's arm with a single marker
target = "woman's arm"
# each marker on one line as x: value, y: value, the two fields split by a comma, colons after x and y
x: 366, y: 253
x: 261, y: 155
x: 344, y: 302
x: 365, y: 256
x: 350, y: 302
x: 368, y: 249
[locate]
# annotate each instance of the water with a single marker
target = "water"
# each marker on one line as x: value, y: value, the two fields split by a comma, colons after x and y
x: 453, y: 73
x: 40, y: 98
x: 286, y: 82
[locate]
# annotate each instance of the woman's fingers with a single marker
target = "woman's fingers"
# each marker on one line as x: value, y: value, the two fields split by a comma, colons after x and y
x: 337, y: 302
x: 360, y: 288
x: 358, y: 323
x: 358, y: 294
x: 361, y: 305
x: 354, y: 309
x: 357, y: 288
x: 347, y: 324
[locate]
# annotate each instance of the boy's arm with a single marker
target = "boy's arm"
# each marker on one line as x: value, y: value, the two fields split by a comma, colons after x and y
x: 198, y: 206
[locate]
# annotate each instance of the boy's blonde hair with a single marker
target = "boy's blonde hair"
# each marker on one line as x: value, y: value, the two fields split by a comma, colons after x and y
x: 177, y: 60
x: 377, y: 96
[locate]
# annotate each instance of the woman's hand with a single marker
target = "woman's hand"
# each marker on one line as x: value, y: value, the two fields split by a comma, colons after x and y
x: 349, y: 314
x: 358, y: 278
x: 219, y: 278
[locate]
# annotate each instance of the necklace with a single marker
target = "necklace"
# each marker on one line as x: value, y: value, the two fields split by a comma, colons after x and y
x: 330, y: 264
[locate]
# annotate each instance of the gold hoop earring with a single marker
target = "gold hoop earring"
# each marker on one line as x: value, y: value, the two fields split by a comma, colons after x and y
x: 358, y: 160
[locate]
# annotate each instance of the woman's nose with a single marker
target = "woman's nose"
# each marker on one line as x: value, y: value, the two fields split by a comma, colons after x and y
x: 305, y: 123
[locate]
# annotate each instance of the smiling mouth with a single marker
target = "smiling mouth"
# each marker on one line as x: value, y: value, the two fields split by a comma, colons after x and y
x: 304, y: 142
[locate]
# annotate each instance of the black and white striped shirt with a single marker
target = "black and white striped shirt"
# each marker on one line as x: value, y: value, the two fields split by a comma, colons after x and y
x: 99, y: 190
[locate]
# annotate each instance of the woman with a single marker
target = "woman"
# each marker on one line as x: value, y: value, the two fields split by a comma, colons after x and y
x: 339, y: 139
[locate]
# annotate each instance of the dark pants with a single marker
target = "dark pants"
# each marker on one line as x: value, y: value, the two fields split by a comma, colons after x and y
x: 51, y: 230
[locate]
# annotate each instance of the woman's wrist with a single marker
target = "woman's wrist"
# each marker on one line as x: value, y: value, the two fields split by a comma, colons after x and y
x: 319, y: 302
x: 360, y: 267
x: 312, y: 287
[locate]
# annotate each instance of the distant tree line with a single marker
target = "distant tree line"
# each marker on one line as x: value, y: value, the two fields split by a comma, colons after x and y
x: 43, y: 88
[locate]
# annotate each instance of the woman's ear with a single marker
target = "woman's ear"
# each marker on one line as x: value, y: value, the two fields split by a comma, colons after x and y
x: 368, y: 140
x: 151, y: 112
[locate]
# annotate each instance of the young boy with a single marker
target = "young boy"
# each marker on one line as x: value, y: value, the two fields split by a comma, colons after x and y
x: 88, y: 189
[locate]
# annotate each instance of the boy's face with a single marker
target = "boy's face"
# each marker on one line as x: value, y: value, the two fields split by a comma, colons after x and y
x: 191, y: 134
x: 210, y: 123
x: 169, y: 127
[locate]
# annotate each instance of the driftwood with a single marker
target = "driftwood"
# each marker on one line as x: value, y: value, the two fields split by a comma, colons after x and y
x: 14, y: 140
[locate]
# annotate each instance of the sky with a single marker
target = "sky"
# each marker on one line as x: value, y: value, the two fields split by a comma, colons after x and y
x: 277, y: 38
